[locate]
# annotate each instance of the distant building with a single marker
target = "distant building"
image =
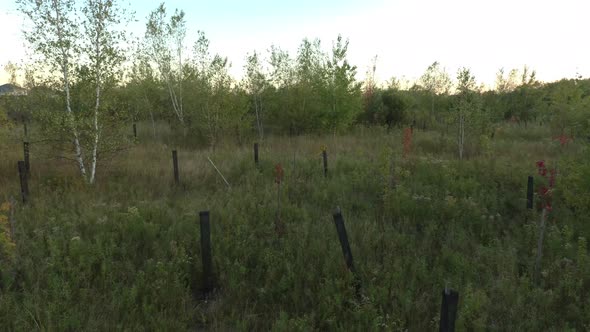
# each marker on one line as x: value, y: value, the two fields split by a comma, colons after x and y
x: 12, y: 90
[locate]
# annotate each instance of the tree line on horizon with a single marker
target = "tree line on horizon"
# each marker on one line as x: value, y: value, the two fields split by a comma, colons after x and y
x: 86, y: 92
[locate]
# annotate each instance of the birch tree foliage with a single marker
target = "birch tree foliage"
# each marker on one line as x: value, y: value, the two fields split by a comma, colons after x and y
x: 311, y: 91
x: 467, y: 108
x: 282, y: 81
x: 436, y: 81
x: 102, y: 47
x: 344, y: 90
x: 255, y: 84
x: 164, y: 39
x: 212, y: 90
x: 144, y: 90
x: 54, y: 37
x: 77, y: 59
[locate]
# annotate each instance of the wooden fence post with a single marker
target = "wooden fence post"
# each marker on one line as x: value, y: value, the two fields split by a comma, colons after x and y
x: 26, y: 157
x: 529, y: 193
x: 175, y: 165
x: 343, y: 237
x: 448, y: 311
x: 24, y: 186
x: 206, y: 251
x: 134, y: 130
x: 256, y: 154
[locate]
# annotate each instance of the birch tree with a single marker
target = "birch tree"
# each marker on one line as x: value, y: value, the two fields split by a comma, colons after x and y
x: 255, y: 85
x: 165, y: 45
x: 345, y: 91
x: 55, y: 37
x: 436, y: 81
x: 144, y: 88
x: 102, y: 47
x: 92, y: 55
x: 466, y: 106
x: 212, y: 87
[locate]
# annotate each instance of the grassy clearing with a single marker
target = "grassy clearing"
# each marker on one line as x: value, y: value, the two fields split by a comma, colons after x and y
x: 125, y: 254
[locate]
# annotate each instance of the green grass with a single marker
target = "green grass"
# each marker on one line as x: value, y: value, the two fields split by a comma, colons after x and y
x: 125, y: 254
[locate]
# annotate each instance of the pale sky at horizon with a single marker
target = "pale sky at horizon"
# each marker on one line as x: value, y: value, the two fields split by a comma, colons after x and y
x: 550, y: 37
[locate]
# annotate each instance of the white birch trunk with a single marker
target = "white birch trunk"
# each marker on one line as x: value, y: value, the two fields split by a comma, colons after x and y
x: 65, y: 73
x: 96, y: 108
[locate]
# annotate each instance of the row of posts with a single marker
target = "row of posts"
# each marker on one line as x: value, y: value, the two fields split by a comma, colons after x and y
x: 256, y: 162
x: 449, y: 297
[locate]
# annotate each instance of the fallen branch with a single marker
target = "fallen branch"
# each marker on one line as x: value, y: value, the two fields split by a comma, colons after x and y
x: 223, y: 177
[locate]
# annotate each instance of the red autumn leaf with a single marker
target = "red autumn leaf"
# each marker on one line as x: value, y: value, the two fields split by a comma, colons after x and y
x: 543, y: 171
x: 279, y: 173
x: 543, y: 191
x: 552, y: 178
x: 548, y: 207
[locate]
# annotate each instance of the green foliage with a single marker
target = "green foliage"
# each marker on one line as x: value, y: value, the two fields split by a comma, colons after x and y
x: 78, y: 66
x: 393, y: 111
x: 4, y: 121
x: 129, y: 249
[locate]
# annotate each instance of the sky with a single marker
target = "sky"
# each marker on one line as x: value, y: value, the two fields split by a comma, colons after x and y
x: 551, y: 37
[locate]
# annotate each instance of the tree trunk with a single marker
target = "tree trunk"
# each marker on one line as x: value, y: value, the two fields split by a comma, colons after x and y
x: 461, y: 137
x: 153, y: 123
x: 96, y: 108
x: 70, y: 114
x: 258, y: 121
x: 96, y: 138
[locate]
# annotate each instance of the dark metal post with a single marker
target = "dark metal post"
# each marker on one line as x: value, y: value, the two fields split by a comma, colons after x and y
x: 175, y: 165
x: 339, y: 221
x: 24, y: 186
x: 529, y: 193
x: 448, y: 311
x: 134, y: 130
x: 341, y: 229
x: 206, y: 251
x: 256, y: 154
x: 325, y: 157
x: 26, y: 156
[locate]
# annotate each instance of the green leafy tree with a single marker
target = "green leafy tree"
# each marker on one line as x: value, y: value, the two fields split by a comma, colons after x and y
x: 567, y: 107
x: 371, y: 96
x: 255, y: 84
x: 526, y: 97
x: 144, y: 90
x: 102, y: 42
x: 310, y: 91
x: 84, y: 59
x: 436, y: 81
x: 345, y: 91
x: 394, y: 108
x: 54, y: 35
x: 164, y: 40
x: 213, y: 94
x: 467, y: 107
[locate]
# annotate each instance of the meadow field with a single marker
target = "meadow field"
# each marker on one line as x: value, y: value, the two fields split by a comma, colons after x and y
x: 125, y: 253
